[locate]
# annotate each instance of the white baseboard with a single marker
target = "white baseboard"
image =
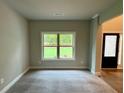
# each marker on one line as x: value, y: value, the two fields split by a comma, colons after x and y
x: 93, y: 71
x: 109, y: 68
x: 50, y: 68
x: 96, y: 73
x: 4, y: 90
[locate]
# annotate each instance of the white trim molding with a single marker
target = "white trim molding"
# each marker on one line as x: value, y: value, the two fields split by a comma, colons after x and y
x: 4, y: 90
x: 92, y: 71
x: 96, y: 73
x: 95, y: 16
x: 60, y: 32
x: 58, y: 68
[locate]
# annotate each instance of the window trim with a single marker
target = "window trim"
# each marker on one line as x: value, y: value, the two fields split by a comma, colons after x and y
x: 56, y: 59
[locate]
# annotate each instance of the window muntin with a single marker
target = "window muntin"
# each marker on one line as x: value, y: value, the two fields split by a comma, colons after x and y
x: 57, y: 46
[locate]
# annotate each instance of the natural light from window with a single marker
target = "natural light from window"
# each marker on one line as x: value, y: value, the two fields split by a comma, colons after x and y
x: 58, y: 46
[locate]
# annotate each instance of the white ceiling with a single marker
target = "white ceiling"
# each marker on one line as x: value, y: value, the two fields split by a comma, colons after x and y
x: 66, y: 9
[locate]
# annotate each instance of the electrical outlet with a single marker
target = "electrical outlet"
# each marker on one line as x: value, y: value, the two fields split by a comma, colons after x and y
x: 2, y: 80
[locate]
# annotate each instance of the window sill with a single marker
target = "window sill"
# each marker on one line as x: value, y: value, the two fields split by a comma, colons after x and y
x: 72, y: 59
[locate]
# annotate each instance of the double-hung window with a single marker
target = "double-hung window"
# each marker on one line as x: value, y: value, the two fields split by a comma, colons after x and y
x: 58, y: 45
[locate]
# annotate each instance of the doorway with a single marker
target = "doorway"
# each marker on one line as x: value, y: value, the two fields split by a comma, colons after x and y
x: 110, y: 50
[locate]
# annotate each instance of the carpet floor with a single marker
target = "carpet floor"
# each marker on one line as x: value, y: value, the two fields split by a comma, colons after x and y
x: 60, y: 81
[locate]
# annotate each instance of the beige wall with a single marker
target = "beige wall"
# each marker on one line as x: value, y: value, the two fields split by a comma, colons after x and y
x: 14, y: 55
x: 82, y: 29
x: 98, y: 48
x: 114, y: 25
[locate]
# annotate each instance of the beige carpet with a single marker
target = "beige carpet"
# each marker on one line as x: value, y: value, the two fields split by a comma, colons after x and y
x: 60, y: 81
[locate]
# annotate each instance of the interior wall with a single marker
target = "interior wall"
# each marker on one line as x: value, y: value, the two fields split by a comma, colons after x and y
x: 113, y: 11
x: 120, y: 59
x: 82, y: 30
x: 98, y: 48
x: 115, y: 25
x: 95, y: 46
x: 108, y: 14
x: 92, y: 53
x: 14, y: 44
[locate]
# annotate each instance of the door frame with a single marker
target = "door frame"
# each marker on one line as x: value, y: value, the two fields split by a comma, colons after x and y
x: 117, y: 46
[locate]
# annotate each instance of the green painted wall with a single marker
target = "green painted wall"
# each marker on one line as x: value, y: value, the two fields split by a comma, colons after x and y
x: 93, y: 34
x: 113, y: 11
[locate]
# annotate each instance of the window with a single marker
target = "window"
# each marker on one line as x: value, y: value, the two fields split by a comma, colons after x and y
x: 58, y: 46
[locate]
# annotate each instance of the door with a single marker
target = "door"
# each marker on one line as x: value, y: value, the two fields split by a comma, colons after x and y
x: 110, y: 50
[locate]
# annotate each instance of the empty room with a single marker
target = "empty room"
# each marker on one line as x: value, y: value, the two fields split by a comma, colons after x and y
x: 61, y: 46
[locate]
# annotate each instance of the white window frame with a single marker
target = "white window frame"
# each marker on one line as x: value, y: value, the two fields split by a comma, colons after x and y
x: 42, y: 48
